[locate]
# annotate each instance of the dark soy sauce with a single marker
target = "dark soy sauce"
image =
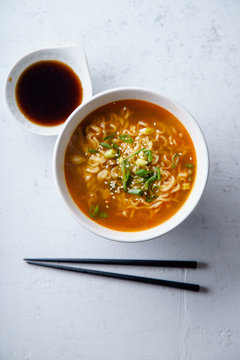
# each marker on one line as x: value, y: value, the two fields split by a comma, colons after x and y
x: 47, y: 92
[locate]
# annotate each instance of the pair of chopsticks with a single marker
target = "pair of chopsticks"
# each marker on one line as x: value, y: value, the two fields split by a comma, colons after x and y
x: 134, y: 262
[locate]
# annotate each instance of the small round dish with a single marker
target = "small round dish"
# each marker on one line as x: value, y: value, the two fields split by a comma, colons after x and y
x: 71, y: 55
x: 139, y: 94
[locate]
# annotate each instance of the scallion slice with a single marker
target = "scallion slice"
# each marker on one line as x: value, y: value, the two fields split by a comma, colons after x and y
x: 155, y: 188
x: 189, y: 165
x: 148, y: 152
x: 140, y: 181
x: 110, y: 153
x: 125, y: 173
x: 93, y: 211
x: 141, y: 163
x: 150, y: 198
x: 158, y: 173
x: 135, y: 153
x: 108, y: 137
x: 115, y: 146
x: 105, y: 145
x: 135, y: 191
x: 142, y: 172
x: 103, y: 215
x: 149, y: 181
x: 149, y: 156
x: 92, y: 151
x: 126, y: 138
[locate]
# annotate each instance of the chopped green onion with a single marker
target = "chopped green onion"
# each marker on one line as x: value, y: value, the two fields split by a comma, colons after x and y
x: 103, y: 215
x: 189, y: 165
x: 149, y: 154
x: 110, y: 136
x: 92, y: 151
x: 142, y: 172
x: 126, y: 138
x: 135, y: 153
x: 149, y: 181
x: 150, y: 198
x: 158, y: 173
x: 141, y: 162
x: 105, y: 145
x: 139, y: 181
x: 175, y: 160
x: 93, y: 211
x: 120, y: 160
x: 109, y: 154
x: 135, y: 191
x: 155, y: 188
x: 117, y: 148
x: 126, y: 174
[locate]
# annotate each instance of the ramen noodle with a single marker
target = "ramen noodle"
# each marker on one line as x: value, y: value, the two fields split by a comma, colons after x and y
x: 130, y: 165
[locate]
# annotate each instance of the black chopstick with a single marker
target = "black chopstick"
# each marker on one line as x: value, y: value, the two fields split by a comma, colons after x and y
x: 161, y: 263
x: 173, y: 284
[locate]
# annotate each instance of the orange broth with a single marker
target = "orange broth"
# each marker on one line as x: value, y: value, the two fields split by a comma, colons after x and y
x: 103, y: 198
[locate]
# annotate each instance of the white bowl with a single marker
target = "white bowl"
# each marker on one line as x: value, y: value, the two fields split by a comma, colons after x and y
x: 71, y: 55
x: 140, y: 94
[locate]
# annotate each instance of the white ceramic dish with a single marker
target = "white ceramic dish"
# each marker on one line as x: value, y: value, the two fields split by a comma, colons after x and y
x: 141, y: 94
x: 73, y: 56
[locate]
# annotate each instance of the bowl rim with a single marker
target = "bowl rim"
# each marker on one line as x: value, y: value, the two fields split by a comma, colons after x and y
x: 117, y: 235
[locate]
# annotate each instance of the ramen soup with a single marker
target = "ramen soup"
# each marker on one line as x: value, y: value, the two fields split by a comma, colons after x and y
x: 130, y: 165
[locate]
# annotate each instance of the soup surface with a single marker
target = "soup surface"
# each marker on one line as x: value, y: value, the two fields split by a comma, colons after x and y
x: 130, y: 165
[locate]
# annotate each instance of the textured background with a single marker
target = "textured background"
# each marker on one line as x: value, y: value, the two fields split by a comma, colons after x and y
x: 188, y: 50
